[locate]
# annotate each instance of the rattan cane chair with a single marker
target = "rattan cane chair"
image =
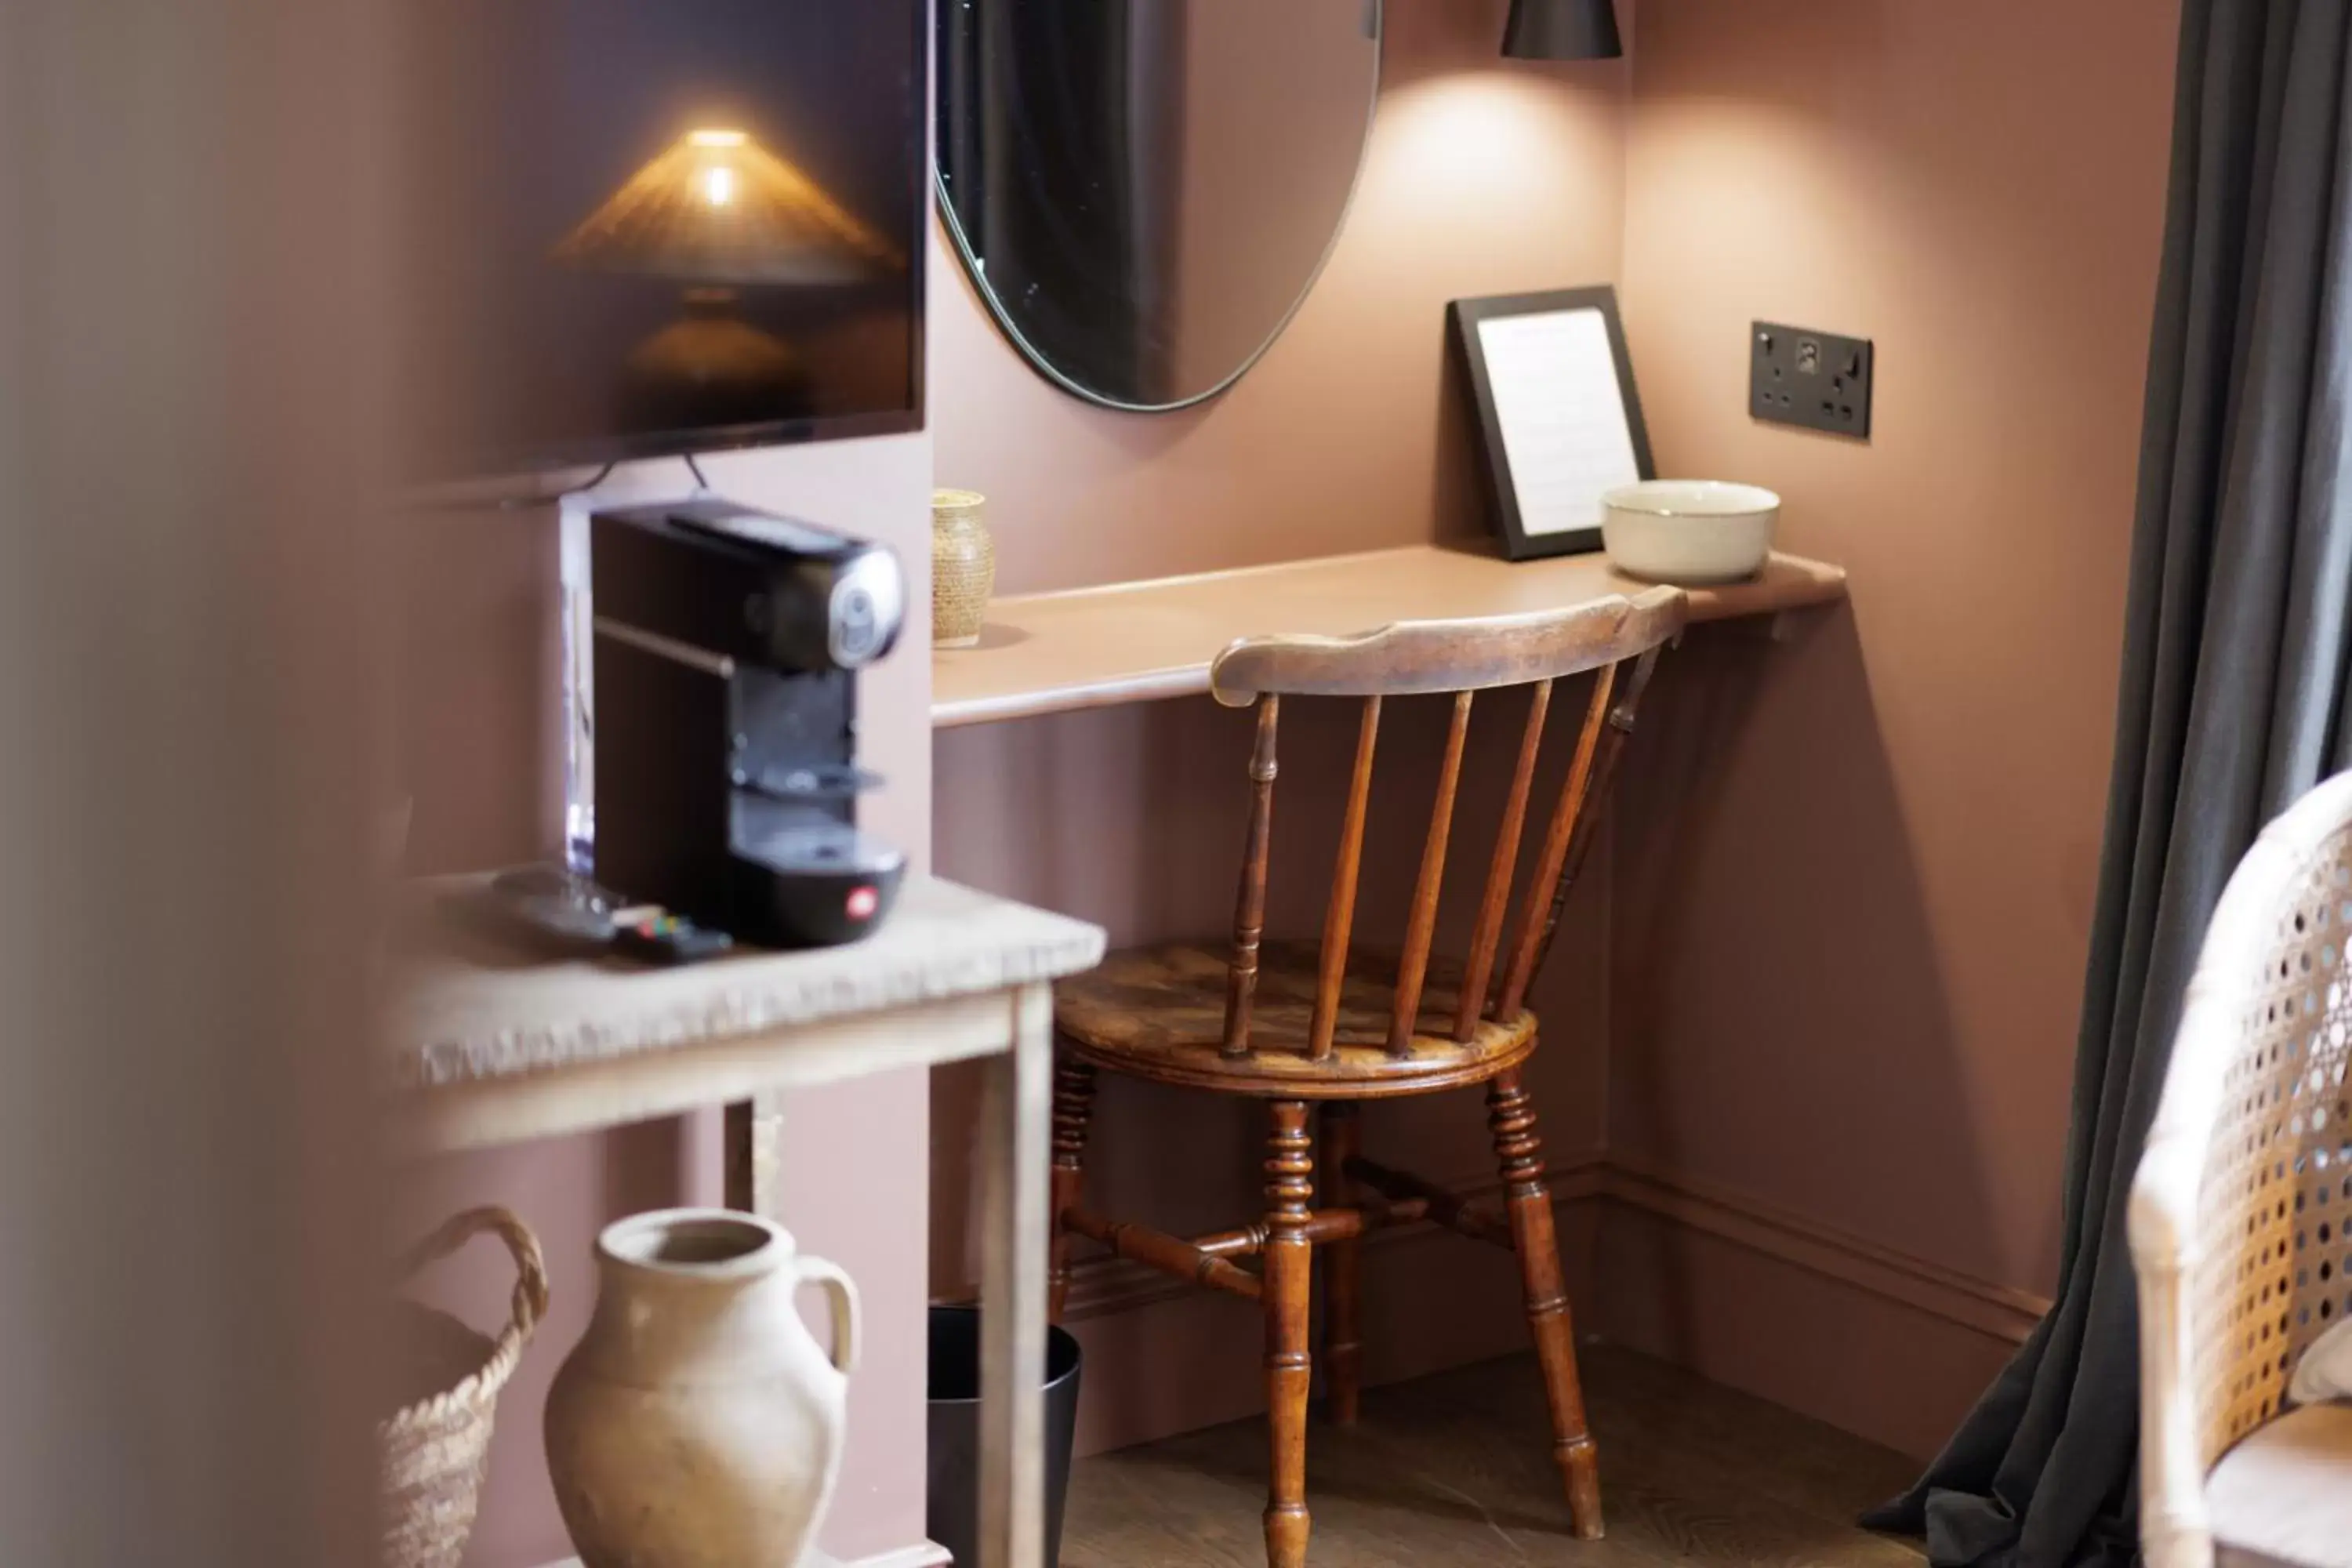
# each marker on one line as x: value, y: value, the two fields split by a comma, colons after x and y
x: 2239, y: 1214
x: 1295, y: 1024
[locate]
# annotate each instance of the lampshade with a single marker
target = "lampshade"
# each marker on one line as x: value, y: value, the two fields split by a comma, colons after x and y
x: 719, y: 208
x: 1563, y: 30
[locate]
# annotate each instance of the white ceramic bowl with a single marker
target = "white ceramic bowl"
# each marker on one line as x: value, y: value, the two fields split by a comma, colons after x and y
x: 1689, y: 531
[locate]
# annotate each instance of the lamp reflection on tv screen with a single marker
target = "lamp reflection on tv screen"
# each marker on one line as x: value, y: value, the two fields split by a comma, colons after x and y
x: 644, y: 228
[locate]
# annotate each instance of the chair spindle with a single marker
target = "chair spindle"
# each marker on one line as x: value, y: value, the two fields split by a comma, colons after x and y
x: 1339, y: 921
x: 1249, y: 912
x: 1488, y: 933
x: 1556, y: 843
x: 1421, y: 926
x: 1621, y: 719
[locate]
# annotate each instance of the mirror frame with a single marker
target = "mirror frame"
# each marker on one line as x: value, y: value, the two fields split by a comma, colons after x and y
x: 976, y: 277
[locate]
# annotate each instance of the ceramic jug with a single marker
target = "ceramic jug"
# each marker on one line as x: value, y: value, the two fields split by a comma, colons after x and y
x: 697, y: 1424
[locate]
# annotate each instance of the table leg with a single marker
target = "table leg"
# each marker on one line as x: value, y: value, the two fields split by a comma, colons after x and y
x: 1016, y: 1113
x: 754, y: 1154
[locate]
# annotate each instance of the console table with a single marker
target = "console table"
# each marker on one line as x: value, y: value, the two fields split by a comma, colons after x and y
x: 1132, y: 642
x: 485, y: 1043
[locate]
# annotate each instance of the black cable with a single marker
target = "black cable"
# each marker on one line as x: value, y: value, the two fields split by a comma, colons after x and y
x: 517, y: 502
x: 431, y: 501
x: 696, y: 468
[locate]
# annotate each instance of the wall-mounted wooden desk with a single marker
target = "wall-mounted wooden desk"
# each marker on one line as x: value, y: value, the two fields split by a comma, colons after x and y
x: 1132, y: 642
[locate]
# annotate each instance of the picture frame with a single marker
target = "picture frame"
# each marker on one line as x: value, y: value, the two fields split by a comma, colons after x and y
x: 1558, y: 418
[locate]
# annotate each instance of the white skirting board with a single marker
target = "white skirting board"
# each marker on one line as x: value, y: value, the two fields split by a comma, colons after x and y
x: 922, y: 1554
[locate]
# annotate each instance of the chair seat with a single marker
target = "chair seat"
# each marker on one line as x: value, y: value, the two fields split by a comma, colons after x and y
x: 1159, y: 1012
x: 2282, y: 1499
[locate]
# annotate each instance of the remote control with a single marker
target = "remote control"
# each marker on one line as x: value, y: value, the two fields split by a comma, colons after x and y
x: 660, y: 938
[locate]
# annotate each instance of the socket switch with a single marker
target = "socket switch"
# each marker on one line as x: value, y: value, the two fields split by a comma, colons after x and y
x: 1799, y: 376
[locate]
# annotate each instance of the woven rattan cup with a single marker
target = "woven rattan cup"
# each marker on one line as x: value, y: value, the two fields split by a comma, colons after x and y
x: 963, y: 567
x: 434, y: 1451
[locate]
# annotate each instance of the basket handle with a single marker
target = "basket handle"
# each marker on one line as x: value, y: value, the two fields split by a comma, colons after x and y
x: 531, y: 1267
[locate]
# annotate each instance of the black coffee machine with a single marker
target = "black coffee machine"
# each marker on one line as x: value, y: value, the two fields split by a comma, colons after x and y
x: 728, y: 643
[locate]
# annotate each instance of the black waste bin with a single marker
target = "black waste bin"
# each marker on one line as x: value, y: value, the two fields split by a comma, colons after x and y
x: 952, y: 1515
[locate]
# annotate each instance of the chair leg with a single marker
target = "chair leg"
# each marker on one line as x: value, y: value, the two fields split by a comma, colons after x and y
x: 1074, y: 1104
x: 1289, y: 1366
x: 1343, y: 1345
x: 1512, y: 1117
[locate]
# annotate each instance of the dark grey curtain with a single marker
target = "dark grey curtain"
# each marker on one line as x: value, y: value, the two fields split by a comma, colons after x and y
x: 2232, y: 704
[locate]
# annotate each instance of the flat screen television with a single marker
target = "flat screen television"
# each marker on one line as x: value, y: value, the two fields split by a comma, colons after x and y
x: 632, y: 228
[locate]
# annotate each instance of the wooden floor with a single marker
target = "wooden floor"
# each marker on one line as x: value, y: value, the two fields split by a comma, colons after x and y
x: 1454, y: 1471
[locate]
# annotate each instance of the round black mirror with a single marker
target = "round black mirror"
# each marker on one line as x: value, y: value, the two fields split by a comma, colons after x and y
x: 1145, y: 189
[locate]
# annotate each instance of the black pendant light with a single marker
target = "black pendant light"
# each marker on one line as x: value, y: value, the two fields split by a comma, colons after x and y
x: 1563, y: 30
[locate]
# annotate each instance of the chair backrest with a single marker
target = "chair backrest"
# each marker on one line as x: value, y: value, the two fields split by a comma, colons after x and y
x: 2239, y: 1208
x: 1462, y: 658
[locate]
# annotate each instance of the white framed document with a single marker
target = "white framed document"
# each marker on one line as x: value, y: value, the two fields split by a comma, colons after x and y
x: 1557, y: 417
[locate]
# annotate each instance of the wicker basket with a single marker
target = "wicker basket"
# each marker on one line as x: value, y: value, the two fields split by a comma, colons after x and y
x: 434, y: 1451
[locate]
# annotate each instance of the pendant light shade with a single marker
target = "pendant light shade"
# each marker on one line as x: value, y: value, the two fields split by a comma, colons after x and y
x: 1563, y: 30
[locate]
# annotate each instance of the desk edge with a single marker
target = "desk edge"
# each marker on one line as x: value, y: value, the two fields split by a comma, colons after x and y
x: 1050, y: 947
x: 1823, y: 583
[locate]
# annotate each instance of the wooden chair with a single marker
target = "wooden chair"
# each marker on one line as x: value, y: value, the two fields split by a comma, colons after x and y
x: 2239, y: 1211
x: 1293, y: 1024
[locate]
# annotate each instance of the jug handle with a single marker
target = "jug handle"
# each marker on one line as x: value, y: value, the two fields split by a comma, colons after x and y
x: 841, y: 1294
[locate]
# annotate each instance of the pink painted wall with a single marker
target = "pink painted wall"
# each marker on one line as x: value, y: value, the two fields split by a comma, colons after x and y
x: 1482, y: 176
x: 484, y: 764
x: 1845, y: 934
x: 1856, y: 879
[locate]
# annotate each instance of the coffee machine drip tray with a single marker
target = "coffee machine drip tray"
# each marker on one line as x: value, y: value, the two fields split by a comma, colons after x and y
x: 827, y: 848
